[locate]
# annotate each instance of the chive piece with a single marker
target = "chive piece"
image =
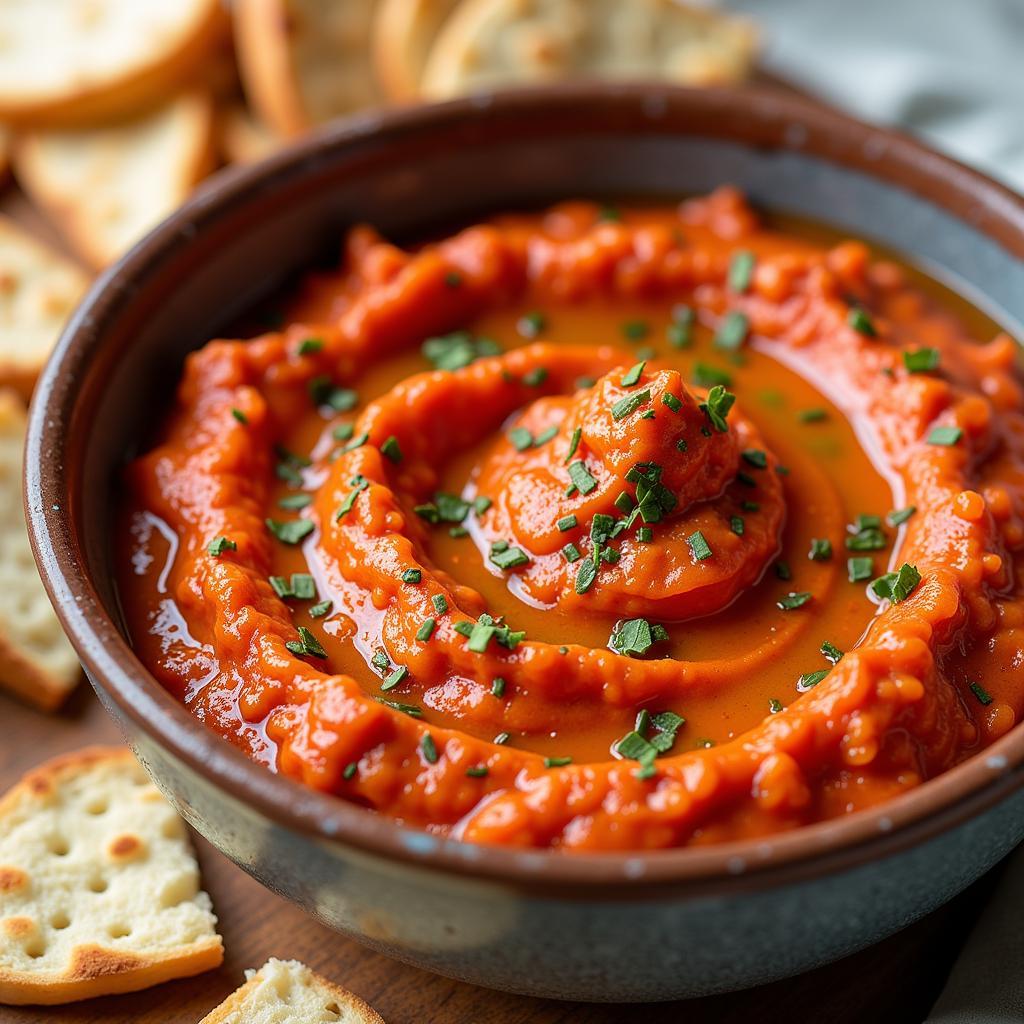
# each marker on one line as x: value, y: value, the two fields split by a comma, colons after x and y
x: 717, y: 406
x: 636, y: 330
x: 707, y: 376
x: 566, y: 523
x: 897, y: 586
x: 867, y: 538
x: 898, y: 516
x: 219, y: 545
x: 521, y: 438
x: 498, y: 687
x: 481, y: 504
x: 792, y: 600
x: 624, y: 502
x: 774, y: 706
x: 391, y: 450
x: 357, y: 442
x: 350, y: 770
x: 750, y: 506
x: 811, y: 679
x: 633, y: 374
x: 303, y: 586
x: 535, y: 377
x: 573, y: 444
x: 319, y: 610
x: 645, y: 535
x: 412, y: 576
x: 831, y: 652
x: 291, y: 531
x: 582, y: 383
x: 426, y: 631
x: 457, y: 350
x: 630, y: 403
x: 741, y: 271
x: 502, y: 738
x: 812, y: 415
x: 681, y: 444
x: 310, y: 346
x: 643, y: 721
x: 359, y: 484
x: 680, y: 331
x: 671, y: 401
x: 296, y: 501
x: 634, y: 637
x: 859, y: 569
x: 530, y: 325
x: 737, y: 525
x: 733, y: 331
x: 572, y: 553
x: 342, y: 399
x: 586, y: 576
x: 429, y: 748
x: 755, y: 457
x: 979, y: 691
x: 859, y: 320
x: 407, y: 709
x: 240, y: 416
x: 428, y: 512
x: 557, y: 762
x: 608, y: 215
x: 581, y: 478
x: 306, y: 644
x: 477, y: 771
x: 453, y: 279
x: 699, y: 546
x: 509, y: 558
x: 450, y: 507
x: 457, y: 531
x: 544, y: 436
x: 380, y: 661
x: 782, y: 571
x: 394, y: 678
x: 921, y: 360
x: 945, y: 436
x: 821, y: 550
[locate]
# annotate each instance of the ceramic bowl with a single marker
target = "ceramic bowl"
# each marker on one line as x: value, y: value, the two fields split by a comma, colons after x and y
x: 641, y: 926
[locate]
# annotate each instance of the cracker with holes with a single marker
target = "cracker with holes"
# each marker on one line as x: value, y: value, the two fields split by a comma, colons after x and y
x: 38, y: 291
x: 287, y: 992
x: 99, y: 888
x: 36, y: 661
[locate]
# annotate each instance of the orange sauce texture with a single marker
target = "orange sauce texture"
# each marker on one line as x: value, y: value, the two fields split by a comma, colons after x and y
x: 662, y: 682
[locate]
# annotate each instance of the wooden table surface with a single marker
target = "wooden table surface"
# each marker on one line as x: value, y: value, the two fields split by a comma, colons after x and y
x: 895, y: 981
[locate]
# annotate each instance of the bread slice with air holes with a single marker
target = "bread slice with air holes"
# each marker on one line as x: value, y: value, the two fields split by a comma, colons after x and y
x: 105, y: 188
x: 38, y: 291
x: 36, y: 661
x: 287, y: 992
x: 99, y: 888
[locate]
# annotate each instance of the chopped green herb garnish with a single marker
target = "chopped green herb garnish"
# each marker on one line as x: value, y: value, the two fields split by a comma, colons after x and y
x: 645, y: 535
x: 585, y: 576
x: 509, y: 558
x: 898, y: 516
x: 359, y: 484
x: 897, y: 586
x: 737, y: 525
x: 219, y: 545
x: 774, y: 706
x: 821, y: 550
x: 342, y: 399
x: 741, y: 270
x: 945, y: 436
x: 350, y: 770
x: 520, y: 438
x: 557, y: 762
x: 636, y: 330
x: 356, y: 442
x: 859, y: 320
x: 394, y: 678
x: 429, y: 748
x: 680, y: 331
x: 793, y: 600
x: 296, y: 501
x: 868, y: 535
x: 498, y: 687
x: 544, y: 436
x: 581, y: 478
x: 426, y: 630
x: 755, y: 457
x: 567, y: 523
x: 481, y: 504
x: 831, y: 652
x: 979, y: 691
x: 407, y: 709
x: 859, y: 569
x: 810, y: 679
x: 457, y: 350
x: 671, y: 401
x: 477, y: 771
x: 572, y: 553
x: 307, y: 644
x: 440, y: 603
x: 240, y: 416
x: 310, y: 346
x: 322, y: 608
x: 733, y: 331
x: 380, y: 661
x: 717, y: 406
x: 291, y: 531
x: 458, y: 531
x: 634, y: 637
x: 921, y: 360
x: 530, y: 325
x: 783, y: 571
x: 812, y: 415
x: 699, y: 546
x: 574, y: 444
x: 535, y: 377
x: 391, y: 450
x: 633, y: 374
x: 630, y: 403
x: 412, y: 576
x: 707, y: 376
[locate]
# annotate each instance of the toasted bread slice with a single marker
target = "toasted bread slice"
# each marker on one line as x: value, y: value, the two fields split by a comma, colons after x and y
x: 73, y: 62
x: 99, y: 888
x: 38, y: 290
x: 304, y: 62
x: 242, y: 138
x: 287, y: 992
x: 403, y: 33
x: 105, y: 188
x: 36, y: 661
x: 490, y: 43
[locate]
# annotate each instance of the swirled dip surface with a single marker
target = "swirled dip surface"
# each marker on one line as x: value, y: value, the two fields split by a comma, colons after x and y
x: 594, y: 529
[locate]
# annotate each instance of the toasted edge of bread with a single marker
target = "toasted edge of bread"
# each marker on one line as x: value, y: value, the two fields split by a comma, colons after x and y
x: 403, y: 33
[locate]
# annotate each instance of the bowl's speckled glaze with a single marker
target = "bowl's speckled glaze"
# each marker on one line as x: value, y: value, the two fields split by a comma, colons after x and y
x: 601, y: 927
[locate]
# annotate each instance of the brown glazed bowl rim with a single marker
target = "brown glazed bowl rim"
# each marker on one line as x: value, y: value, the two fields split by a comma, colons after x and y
x: 765, y: 119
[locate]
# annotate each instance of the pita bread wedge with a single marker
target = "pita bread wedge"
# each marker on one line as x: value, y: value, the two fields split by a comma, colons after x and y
x: 36, y: 661
x: 304, y: 62
x: 489, y: 43
x: 105, y: 188
x: 403, y: 33
x: 287, y: 992
x: 38, y: 291
x: 74, y: 62
x: 242, y: 138
x: 99, y: 888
